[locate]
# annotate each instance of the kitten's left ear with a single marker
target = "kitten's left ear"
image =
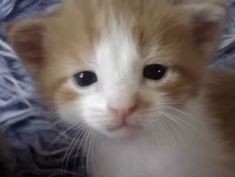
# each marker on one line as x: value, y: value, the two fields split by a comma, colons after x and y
x: 27, y: 37
x: 206, y: 22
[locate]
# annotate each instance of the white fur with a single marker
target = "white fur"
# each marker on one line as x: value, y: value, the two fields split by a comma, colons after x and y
x: 164, y: 148
x: 118, y: 66
x: 195, y: 152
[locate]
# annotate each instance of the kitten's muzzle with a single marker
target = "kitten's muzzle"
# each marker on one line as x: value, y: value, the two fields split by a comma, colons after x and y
x: 123, y: 114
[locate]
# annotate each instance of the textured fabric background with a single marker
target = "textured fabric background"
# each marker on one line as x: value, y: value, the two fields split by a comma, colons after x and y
x: 36, y: 141
x: 226, y: 54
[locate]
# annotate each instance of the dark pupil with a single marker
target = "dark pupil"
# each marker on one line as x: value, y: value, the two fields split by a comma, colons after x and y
x: 154, y: 72
x: 85, y: 78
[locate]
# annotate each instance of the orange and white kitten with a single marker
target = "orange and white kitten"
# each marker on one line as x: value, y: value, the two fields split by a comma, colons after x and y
x: 133, y: 74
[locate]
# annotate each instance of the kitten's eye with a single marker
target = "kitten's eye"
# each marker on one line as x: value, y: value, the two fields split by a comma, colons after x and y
x: 85, y: 78
x: 154, y: 71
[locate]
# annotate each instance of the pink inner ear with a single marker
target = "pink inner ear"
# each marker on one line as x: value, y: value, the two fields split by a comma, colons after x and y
x: 206, y: 32
x: 207, y: 22
x: 27, y: 40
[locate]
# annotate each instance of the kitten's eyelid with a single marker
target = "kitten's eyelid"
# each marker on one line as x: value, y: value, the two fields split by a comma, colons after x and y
x: 82, y: 91
x: 158, y: 60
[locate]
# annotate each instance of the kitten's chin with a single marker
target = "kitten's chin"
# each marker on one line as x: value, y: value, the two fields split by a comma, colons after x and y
x: 122, y: 131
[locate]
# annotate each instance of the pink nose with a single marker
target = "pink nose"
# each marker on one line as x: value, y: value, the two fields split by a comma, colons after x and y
x: 123, y: 113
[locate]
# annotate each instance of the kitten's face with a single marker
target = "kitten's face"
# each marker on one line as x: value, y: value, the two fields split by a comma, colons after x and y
x: 121, y: 67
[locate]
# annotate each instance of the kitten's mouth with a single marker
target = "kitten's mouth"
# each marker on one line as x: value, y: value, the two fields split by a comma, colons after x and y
x: 122, y: 126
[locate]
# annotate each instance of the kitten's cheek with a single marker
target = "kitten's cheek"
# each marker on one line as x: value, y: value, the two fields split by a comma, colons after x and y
x: 70, y: 113
x: 75, y: 113
x: 98, y: 120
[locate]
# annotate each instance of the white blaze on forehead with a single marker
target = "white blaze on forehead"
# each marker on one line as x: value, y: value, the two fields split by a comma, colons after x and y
x: 117, y: 58
x: 118, y: 66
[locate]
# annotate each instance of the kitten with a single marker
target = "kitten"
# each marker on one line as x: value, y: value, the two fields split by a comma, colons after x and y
x: 133, y: 75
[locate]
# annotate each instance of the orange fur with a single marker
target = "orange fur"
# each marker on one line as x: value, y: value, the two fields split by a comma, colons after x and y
x: 220, y: 87
x: 64, y: 49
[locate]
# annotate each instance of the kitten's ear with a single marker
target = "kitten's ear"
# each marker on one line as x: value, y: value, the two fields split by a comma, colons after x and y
x: 26, y: 37
x: 206, y: 21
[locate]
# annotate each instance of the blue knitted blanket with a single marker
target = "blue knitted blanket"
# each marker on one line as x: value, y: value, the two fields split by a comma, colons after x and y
x: 39, y: 143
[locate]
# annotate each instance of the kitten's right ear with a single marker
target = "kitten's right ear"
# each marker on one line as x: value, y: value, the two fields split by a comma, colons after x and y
x: 206, y: 22
x: 27, y: 38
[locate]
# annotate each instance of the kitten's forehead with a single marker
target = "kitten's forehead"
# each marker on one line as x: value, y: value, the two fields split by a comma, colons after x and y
x: 116, y: 55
